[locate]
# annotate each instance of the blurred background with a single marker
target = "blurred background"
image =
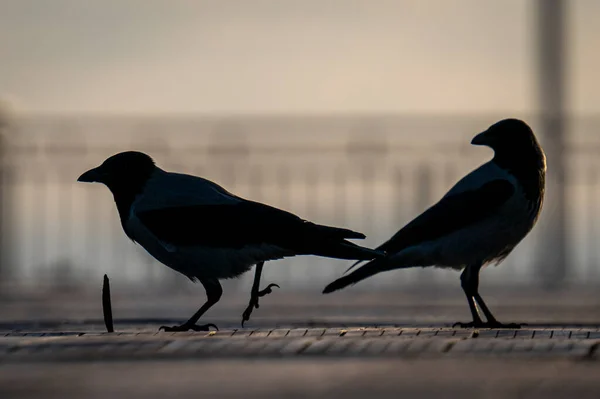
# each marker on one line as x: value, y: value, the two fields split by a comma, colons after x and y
x: 351, y: 113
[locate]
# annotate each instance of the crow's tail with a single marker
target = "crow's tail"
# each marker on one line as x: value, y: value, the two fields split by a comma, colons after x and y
x: 359, y: 274
x: 347, y: 250
x: 332, y: 242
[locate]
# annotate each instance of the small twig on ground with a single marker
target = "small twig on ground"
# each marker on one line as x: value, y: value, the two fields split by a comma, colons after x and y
x: 106, y: 305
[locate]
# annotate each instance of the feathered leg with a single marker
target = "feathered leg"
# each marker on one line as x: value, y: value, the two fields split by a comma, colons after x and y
x: 213, y: 294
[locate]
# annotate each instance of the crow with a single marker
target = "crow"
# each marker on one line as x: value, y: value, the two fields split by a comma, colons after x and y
x: 478, y: 222
x: 201, y: 230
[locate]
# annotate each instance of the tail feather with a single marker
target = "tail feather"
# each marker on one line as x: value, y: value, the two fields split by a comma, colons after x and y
x: 379, y: 248
x: 338, y: 232
x: 353, y: 265
x: 412, y: 257
x: 348, y: 250
x: 359, y: 274
x: 332, y: 242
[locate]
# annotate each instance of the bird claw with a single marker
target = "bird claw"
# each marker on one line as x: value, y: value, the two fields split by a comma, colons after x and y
x: 267, y: 290
x: 187, y: 327
x: 254, y: 302
x: 246, y: 314
x: 471, y: 324
x: 494, y: 325
x: 507, y: 325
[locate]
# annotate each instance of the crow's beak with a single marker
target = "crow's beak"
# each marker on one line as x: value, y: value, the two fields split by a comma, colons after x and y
x: 480, y: 139
x: 91, y: 176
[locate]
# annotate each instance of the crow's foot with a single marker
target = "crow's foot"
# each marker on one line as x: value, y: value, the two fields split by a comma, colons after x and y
x: 493, y: 324
x: 254, y: 302
x: 188, y: 327
x: 266, y: 291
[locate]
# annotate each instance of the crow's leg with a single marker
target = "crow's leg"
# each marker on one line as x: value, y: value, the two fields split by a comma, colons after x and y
x: 213, y: 294
x: 470, y: 284
x: 469, y: 281
x: 255, y: 293
x: 491, y: 320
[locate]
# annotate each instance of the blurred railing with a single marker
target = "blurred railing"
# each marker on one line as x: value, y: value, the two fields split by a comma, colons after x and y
x: 372, y: 174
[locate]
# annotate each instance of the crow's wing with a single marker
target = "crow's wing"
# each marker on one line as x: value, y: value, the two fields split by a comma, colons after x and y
x: 241, y: 224
x: 452, y: 213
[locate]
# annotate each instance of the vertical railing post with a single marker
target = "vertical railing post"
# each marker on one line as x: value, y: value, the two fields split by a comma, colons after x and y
x: 552, y: 264
x: 4, y: 198
x: 423, y: 200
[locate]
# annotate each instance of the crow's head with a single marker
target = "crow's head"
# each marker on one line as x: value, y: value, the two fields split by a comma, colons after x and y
x: 515, y: 146
x: 124, y: 170
x: 511, y: 135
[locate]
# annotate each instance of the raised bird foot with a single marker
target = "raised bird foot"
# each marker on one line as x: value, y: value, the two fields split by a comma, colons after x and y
x: 266, y: 291
x: 493, y: 324
x: 188, y: 327
x: 254, y: 302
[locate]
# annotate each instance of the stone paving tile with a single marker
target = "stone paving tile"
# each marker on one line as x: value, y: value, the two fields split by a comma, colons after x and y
x: 542, y: 334
x: 222, y: 333
x: 340, y: 346
x: 561, y: 334
x: 374, y: 332
x: 487, y: 333
x: 584, y: 348
x: 521, y: 345
x: 506, y: 333
x: 472, y: 345
x: 446, y: 333
x: 524, y: 333
x: 594, y: 335
x: 409, y: 332
x: 243, y: 333
x: 376, y: 347
x: 252, y: 347
x: 563, y: 346
x: 260, y: 334
x: 360, y: 346
x: 296, y: 346
x: 173, y: 346
x: 273, y: 347
x: 234, y: 348
x: 427, y: 333
x: 390, y: 332
x: 463, y: 333
x: 215, y: 346
x: 354, y: 333
x: 579, y: 334
x: 296, y: 332
x: 417, y: 346
x: 334, y: 332
x: 279, y: 333
x: 314, y: 332
x: 396, y: 346
x: 318, y: 347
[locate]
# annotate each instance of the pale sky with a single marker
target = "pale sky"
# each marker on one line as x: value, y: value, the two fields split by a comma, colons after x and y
x: 285, y: 56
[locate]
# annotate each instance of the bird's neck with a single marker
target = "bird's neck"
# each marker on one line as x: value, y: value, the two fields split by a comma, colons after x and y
x: 124, y: 202
x: 528, y: 165
x: 124, y: 196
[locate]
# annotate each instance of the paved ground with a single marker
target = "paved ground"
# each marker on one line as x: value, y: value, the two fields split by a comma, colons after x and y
x: 386, y: 361
x: 328, y: 378
x: 302, y: 362
x: 573, y: 343
x: 383, y: 349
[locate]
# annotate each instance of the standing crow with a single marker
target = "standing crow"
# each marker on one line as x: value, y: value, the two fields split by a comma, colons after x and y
x: 479, y: 221
x: 199, y: 229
